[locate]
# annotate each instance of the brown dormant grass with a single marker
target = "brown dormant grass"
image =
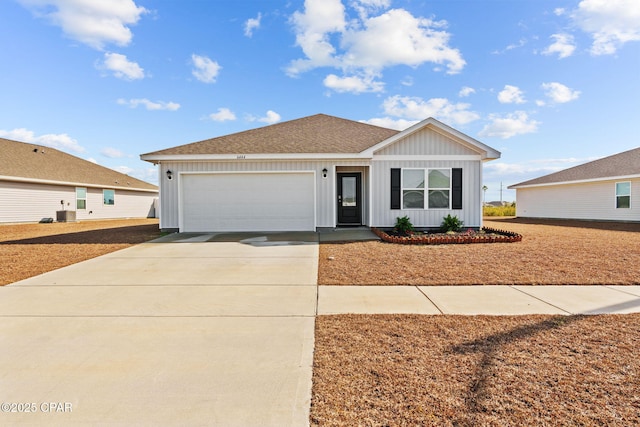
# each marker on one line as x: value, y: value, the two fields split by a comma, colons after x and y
x: 412, y: 370
x: 551, y: 253
x: 27, y: 250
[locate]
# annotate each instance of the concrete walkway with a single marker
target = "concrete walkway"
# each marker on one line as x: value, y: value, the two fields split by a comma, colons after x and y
x: 476, y: 300
x: 208, y: 329
x: 188, y: 330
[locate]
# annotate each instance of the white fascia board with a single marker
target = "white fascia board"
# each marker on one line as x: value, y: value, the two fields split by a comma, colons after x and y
x: 581, y: 181
x: 244, y: 157
x: 408, y: 157
x: 73, y: 184
x: 484, y: 150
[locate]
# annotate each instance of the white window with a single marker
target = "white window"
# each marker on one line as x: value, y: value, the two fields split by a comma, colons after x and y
x: 81, y: 198
x: 623, y: 195
x: 435, y: 183
x: 109, y: 197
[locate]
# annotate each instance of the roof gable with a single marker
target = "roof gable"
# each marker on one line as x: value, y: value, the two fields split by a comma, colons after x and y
x: 314, y: 134
x: 446, y: 135
x: 626, y: 163
x: 33, y: 162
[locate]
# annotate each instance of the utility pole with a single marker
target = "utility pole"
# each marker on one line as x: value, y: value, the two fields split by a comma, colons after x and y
x: 501, y: 192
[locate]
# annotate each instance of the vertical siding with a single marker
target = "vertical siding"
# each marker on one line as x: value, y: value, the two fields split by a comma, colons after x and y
x: 325, y: 187
x: 426, y: 141
x: 384, y: 216
x: 26, y: 202
x: 595, y: 201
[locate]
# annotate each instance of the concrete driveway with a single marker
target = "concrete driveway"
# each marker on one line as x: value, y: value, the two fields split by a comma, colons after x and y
x: 185, y: 330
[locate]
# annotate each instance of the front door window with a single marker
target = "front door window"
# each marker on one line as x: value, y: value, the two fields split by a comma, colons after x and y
x: 349, y: 212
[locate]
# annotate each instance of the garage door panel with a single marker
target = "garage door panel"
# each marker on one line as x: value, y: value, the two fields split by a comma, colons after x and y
x: 248, y: 202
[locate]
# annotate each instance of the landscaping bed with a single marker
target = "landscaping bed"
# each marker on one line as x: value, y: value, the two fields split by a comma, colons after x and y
x: 401, y: 370
x: 484, y: 235
x: 27, y: 250
x: 551, y: 253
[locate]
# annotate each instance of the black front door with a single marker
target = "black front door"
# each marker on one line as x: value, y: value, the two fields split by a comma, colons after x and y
x: 349, y: 212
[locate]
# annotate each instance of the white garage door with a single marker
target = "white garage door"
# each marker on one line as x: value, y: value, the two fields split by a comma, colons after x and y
x: 248, y: 202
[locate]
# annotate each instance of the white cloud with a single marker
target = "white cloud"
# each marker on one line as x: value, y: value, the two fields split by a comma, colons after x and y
x: 407, y: 81
x: 149, y: 105
x: 611, y: 23
x: 121, y: 67
x: 223, y: 115
x: 511, y: 95
x: 94, y: 23
x: 353, y: 84
x: 60, y: 141
x: 112, y: 153
x: 512, y: 46
x: 388, y: 122
x: 415, y: 108
x: 517, y: 123
x: 559, y: 11
x: 560, y: 93
x: 252, y: 24
x: 271, y: 117
x: 92, y: 160
x: 466, y: 91
x: 205, y: 69
x: 564, y: 45
x: 367, y: 44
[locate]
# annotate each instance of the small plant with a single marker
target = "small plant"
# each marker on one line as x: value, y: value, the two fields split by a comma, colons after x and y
x: 451, y: 223
x: 403, y: 226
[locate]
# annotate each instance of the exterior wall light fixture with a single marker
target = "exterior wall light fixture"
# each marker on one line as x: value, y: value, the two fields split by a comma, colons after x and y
x: 169, y: 174
x: 324, y: 172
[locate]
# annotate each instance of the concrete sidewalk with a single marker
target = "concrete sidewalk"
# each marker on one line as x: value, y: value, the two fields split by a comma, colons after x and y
x: 476, y: 300
x: 187, y: 330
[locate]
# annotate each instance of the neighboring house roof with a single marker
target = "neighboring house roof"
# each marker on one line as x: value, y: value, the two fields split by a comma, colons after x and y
x: 25, y: 162
x: 314, y: 134
x: 319, y: 135
x: 625, y: 164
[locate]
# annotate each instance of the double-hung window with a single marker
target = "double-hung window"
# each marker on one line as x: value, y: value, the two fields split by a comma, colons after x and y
x: 426, y: 188
x: 623, y: 195
x: 81, y: 198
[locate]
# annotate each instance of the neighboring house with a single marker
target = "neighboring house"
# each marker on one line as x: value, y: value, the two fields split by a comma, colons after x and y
x: 605, y: 189
x: 322, y: 171
x: 38, y: 181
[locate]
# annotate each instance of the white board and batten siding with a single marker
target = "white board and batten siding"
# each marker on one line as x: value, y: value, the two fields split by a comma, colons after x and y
x: 324, y: 196
x: 32, y: 202
x: 427, y: 149
x: 470, y: 214
x: 587, y: 201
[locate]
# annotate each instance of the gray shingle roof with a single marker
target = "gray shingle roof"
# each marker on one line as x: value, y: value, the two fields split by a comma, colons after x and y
x: 622, y: 164
x: 314, y: 134
x: 37, y: 162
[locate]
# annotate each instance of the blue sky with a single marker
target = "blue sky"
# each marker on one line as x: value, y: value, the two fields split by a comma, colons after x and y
x: 550, y: 84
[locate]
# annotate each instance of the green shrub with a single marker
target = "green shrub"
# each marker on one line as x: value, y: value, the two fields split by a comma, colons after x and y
x: 403, y: 226
x: 451, y: 223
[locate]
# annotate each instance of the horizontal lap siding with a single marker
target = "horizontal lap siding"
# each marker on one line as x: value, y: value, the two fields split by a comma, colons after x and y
x: 127, y: 204
x: 384, y: 216
x: 24, y: 202
x: 594, y: 201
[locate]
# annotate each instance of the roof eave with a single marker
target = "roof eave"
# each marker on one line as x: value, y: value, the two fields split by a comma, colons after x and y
x: 577, y: 181
x: 159, y: 158
x: 73, y: 184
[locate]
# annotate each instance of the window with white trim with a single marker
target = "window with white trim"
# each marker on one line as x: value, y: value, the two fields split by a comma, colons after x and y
x: 623, y: 195
x: 109, y: 197
x: 81, y: 198
x: 434, y: 183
